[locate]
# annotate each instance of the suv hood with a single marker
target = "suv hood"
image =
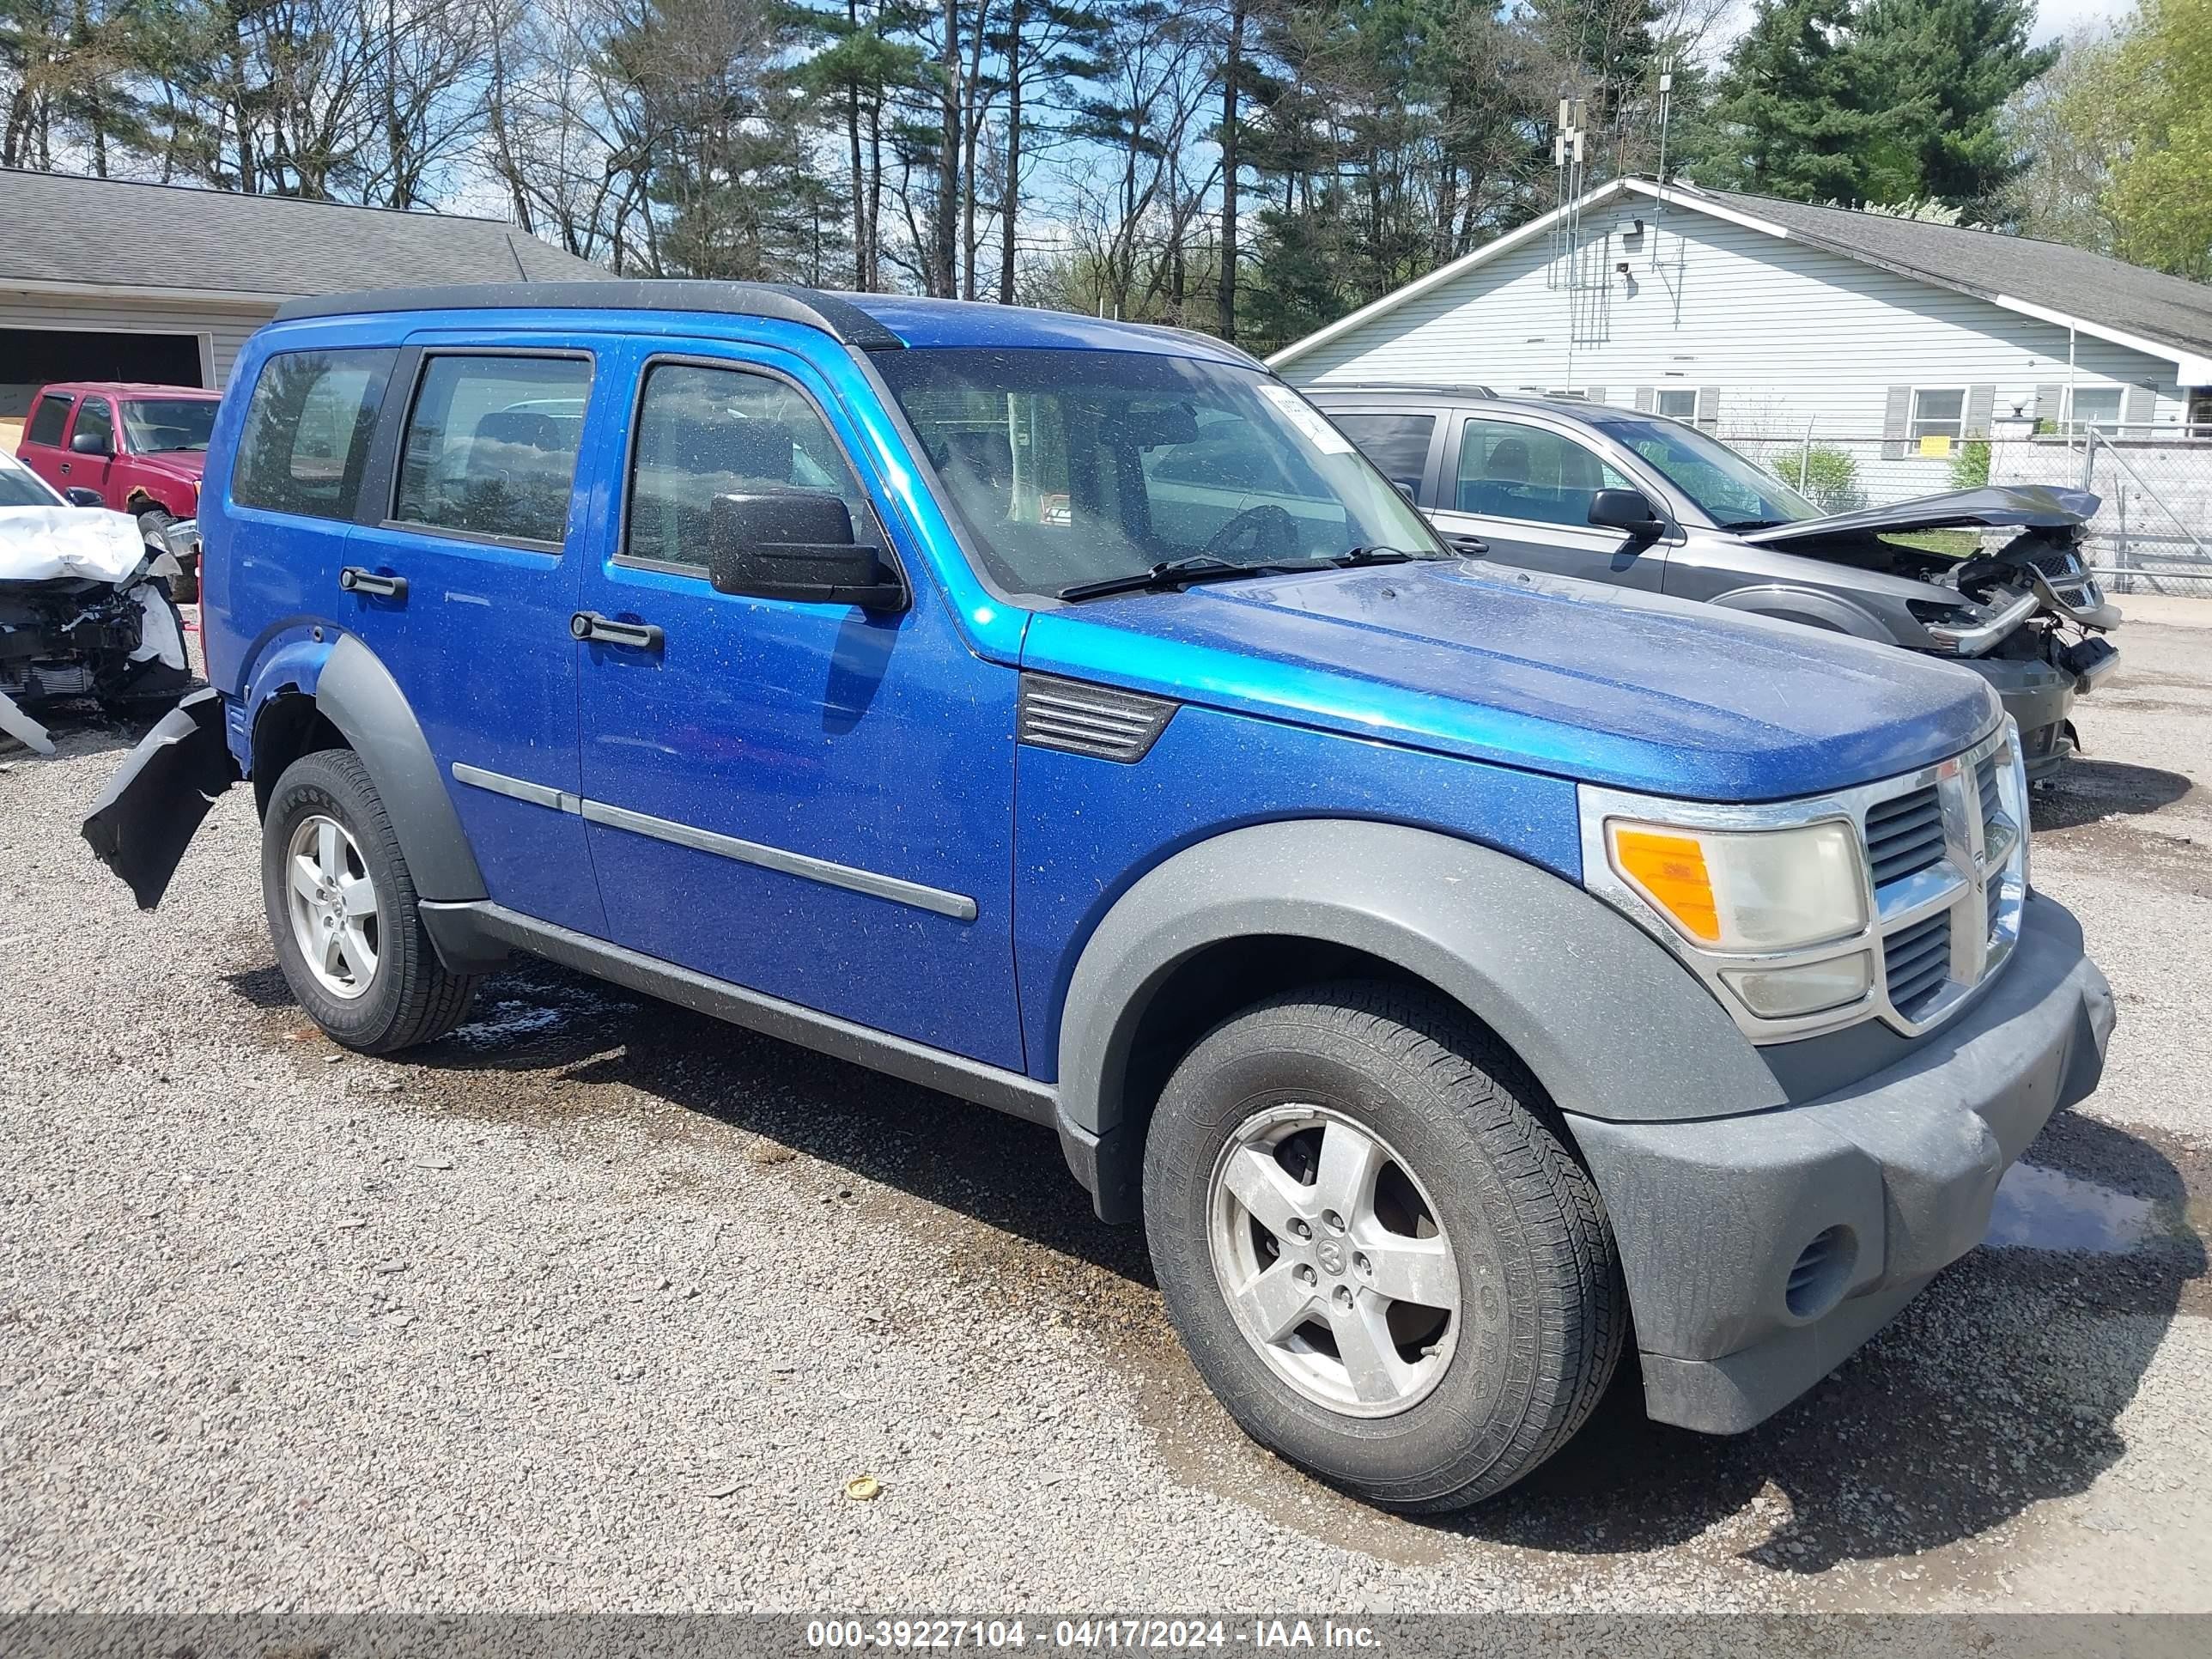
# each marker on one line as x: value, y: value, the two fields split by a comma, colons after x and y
x: 188, y: 465
x: 2028, y: 506
x: 1598, y: 684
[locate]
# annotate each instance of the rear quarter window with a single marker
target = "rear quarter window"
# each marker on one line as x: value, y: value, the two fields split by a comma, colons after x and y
x: 47, y: 421
x: 307, y: 432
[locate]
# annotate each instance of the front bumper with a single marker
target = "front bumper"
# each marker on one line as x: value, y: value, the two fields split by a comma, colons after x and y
x: 2039, y: 696
x: 1760, y: 1250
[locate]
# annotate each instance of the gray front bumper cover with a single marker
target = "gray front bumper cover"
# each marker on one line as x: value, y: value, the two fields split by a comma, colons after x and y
x: 1711, y: 1216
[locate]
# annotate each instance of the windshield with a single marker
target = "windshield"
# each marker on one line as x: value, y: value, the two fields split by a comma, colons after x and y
x: 1074, y: 467
x: 159, y: 425
x: 1732, y: 492
x: 19, y: 486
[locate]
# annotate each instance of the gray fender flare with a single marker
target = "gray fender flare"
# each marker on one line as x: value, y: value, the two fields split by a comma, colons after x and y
x: 362, y: 699
x: 1610, y: 1023
x: 1807, y: 606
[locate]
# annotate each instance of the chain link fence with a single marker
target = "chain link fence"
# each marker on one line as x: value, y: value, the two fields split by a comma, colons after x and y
x: 2153, y: 530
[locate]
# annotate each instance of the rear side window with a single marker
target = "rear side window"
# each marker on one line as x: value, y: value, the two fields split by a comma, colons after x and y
x: 307, y: 432
x: 707, y: 432
x: 1397, y: 444
x: 46, y: 424
x: 491, y: 447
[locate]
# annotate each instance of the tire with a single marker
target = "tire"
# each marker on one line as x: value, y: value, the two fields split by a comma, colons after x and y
x: 388, y: 991
x: 1483, y: 1392
x: 152, y: 522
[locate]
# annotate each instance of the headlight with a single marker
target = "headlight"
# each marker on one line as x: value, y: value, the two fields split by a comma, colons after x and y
x: 1745, y: 890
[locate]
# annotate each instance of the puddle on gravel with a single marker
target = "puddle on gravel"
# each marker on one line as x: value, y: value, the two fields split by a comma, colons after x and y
x: 2041, y: 1209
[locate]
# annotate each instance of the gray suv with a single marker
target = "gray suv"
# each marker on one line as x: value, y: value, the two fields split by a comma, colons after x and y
x: 1638, y: 501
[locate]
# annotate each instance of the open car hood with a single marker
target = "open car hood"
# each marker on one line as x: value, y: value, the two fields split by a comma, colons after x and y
x: 39, y: 544
x: 2029, y: 506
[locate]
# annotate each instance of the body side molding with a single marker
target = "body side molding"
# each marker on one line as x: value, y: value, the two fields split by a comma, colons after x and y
x: 958, y: 906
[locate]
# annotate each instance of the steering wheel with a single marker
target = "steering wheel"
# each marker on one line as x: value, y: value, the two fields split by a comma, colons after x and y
x: 1272, y: 529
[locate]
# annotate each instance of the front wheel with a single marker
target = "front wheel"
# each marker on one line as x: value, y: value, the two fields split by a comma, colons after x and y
x: 341, y: 912
x: 1382, y: 1256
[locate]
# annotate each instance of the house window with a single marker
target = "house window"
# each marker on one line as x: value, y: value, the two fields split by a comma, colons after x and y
x: 2093, y: 405
x: 1676, y: 403
x: 1939, y: 412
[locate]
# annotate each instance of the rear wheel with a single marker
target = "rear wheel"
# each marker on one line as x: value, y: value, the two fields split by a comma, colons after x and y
x: 343, y: 914
x: 1378, y: 1248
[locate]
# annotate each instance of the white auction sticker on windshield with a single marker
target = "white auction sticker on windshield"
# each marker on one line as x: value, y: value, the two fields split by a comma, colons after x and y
x: 1301, y: 415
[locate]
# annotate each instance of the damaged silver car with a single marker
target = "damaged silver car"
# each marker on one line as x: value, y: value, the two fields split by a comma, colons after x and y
x: 1638, y: 501
x: 85, y: 608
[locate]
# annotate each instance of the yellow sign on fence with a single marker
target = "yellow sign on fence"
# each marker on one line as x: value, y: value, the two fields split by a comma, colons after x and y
x: 1935, y: 445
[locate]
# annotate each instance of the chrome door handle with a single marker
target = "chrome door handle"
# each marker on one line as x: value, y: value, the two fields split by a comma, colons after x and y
x: 606, y: 630
x: 354, y: 580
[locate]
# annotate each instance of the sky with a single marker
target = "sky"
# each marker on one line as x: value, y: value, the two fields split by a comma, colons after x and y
x: 2056, y: 17
x: 2053, y: 18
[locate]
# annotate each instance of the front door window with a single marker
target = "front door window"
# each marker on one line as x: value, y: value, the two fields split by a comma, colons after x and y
x: 1508, y: 470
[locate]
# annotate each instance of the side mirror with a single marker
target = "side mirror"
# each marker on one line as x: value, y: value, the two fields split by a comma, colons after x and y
x: 90, y: 443
x: 1628, y: 511
x: 81, y: 496
x: 796, y: 544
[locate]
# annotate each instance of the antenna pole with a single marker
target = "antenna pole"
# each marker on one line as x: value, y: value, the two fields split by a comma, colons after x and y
x: 1666, y: 102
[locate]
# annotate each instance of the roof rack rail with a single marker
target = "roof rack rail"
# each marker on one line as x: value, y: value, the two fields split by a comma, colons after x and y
x: 782, y: 302
x: 1463, y: 389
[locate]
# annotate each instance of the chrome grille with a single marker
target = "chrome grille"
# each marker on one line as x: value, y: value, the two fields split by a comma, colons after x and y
x: 1904, y: 835
x: 1917, y: 961
x: 1985, y: 786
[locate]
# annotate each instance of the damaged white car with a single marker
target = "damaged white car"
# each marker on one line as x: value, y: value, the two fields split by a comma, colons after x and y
x: 85, y: 610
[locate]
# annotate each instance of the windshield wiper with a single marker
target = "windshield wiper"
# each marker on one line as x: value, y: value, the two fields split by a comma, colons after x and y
x: 1358, y: 555
x: 1742, y: 525
x: 1205, y: 568
x: 1178, y: 572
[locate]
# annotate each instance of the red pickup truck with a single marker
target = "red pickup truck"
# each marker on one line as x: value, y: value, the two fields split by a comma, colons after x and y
x: 136, y: 449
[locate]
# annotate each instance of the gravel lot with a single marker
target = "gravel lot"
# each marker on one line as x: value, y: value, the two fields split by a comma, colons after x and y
x: 600, y: 1303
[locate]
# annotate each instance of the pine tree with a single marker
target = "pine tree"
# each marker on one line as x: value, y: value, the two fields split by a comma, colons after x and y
x: 1790, y: 116
x: 1941, y: 73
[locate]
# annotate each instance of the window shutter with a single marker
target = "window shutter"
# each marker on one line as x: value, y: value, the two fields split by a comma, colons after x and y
x: 1896, y: 422
x: 1981, y: 404
x: 2136, y: 408
x: 1645, y: 398
x: 1709, y: 407
x: 1594, y: 393
x: 2050, y: 405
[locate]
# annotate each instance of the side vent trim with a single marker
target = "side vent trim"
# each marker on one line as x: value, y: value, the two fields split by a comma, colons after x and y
x: 1096, y: 721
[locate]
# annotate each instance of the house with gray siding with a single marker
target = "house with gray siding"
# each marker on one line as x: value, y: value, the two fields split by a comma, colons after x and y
x: 105, y: 280
x: 1785, y: 329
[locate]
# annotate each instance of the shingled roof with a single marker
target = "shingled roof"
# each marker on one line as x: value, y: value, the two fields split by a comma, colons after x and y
x: 2108, y: 299
x: 107, y: 233
x: 1989, y: 264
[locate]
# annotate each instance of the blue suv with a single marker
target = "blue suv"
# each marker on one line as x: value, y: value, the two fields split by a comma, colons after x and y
x: 1456, y: 971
